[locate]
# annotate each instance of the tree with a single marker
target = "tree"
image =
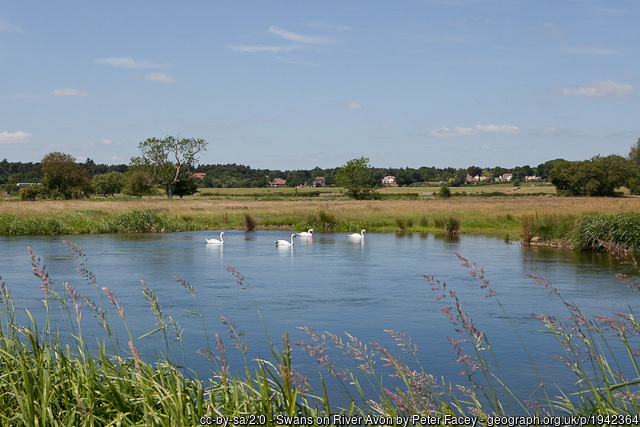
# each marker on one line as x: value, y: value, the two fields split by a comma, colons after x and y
x: 108, y: 183
x: 63, y: 178
x: 170, y: 159
x: 584, y: 178
x: 634, y: 154
x: 355, y: 177
x: 138, y: 183
x: 186, y: 187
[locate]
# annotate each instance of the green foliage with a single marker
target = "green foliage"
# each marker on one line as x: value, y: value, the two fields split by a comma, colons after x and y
x: 186, y: 186
x: 355, y: 177
x: 451, y: 225
x: 169, y: 160
x: 138, y: 183
x: 599, y: 176
x: 619, y: 229
x: 29, y: 193
x: 444, y: 191
x: 108, y: 184
x: 62, y: 177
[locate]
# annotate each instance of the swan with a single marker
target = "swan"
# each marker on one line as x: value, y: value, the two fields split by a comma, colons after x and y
x: 306, y: 233
x: 216, y: 241
x: 357, y: 236
x: 285, y: 242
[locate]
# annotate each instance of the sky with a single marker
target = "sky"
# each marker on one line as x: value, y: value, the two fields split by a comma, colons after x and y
x: 300, y: 84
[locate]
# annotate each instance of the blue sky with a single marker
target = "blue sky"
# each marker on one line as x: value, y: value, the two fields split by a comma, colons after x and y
x: 297, y: 84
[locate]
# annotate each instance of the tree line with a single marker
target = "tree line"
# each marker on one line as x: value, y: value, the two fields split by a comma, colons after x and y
x: 170, y: 164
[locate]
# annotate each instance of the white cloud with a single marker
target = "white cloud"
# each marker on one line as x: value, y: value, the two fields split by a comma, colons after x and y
x: 298, y: 38
x: 126, y: 62
x: 271, y: 49
x: 445, y: 132
x: 486, y: 147
x: 18, y: 137
x: 384, y: 126
x: 7, y: 26
x: 106, y: 141
x: 353, y: 105
x: 545, y: 131
x: 600, y: 89
x: 159, y: 77
x: 68, y: 92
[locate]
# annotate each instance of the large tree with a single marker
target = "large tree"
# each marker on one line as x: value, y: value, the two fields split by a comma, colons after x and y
x: 63, y: 178
x: 355, y: 176
x: 170, y: 159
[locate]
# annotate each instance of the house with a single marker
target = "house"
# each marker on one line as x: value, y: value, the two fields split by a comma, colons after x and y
x: 278, y: 183
x: 389, y: 181
x: 532, y: 178
x: 507, y: 177
x: 319, y: 182
x: 199, y: 175
x: 468, y: 179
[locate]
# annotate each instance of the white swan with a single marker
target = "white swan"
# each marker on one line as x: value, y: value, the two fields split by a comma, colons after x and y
x: 216, y: 241
x: 306, y: 233
x: 285, y: 242
x: 357, y: 236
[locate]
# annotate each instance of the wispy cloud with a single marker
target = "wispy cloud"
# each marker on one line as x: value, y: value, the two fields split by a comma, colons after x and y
x: 159, y: 77
x: 298, y: 38
x: 18, y: 137
x: 600, y: 89
x: 106, y: 141
x: 8, y: 26
x: 271, y: 49
x: 551, y: 131
x: 446, y: 132
x: 126, y: 62
x: 68, y: 92
x: 551, y: 31
x: 353, y: 105
x: 384, y: 126
x: 586, y: 50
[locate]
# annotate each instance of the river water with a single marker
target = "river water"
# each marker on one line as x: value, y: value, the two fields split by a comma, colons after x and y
x: 329, y: 283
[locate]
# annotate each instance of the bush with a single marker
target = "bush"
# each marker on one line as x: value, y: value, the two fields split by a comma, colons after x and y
x: 444, y: 191
x: 138, y: 184
x: 29, y: 193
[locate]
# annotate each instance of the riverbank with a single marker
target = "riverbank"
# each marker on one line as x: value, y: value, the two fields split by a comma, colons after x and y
x: 541, y: 219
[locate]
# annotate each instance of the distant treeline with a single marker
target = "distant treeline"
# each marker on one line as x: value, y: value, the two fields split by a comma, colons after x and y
x: 240, y: 176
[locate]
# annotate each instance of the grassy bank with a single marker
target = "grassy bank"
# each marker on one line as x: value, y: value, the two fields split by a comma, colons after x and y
x: 52, y: 375
x: 544, y: 220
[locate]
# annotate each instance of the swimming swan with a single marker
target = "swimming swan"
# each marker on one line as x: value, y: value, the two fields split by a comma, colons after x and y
x: 285, y: 242
x: 216, y: 241
x: 357, y: 236
x: 306, y: 233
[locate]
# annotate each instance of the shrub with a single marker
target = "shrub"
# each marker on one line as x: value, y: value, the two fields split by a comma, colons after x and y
x: 249, y: 222
x: 444, y: 191
x: 29, y: 193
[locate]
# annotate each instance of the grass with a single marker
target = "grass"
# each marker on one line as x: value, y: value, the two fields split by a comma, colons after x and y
x: 53, y: 376
x: 502, y: 217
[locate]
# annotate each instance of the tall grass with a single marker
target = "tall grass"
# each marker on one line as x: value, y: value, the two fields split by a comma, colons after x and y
x: 133, y: 221
x: 53, y: 376
x: 622, y: 229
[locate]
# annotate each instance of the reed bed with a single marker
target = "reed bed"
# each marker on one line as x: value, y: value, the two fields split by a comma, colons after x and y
x: 497, y: 216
